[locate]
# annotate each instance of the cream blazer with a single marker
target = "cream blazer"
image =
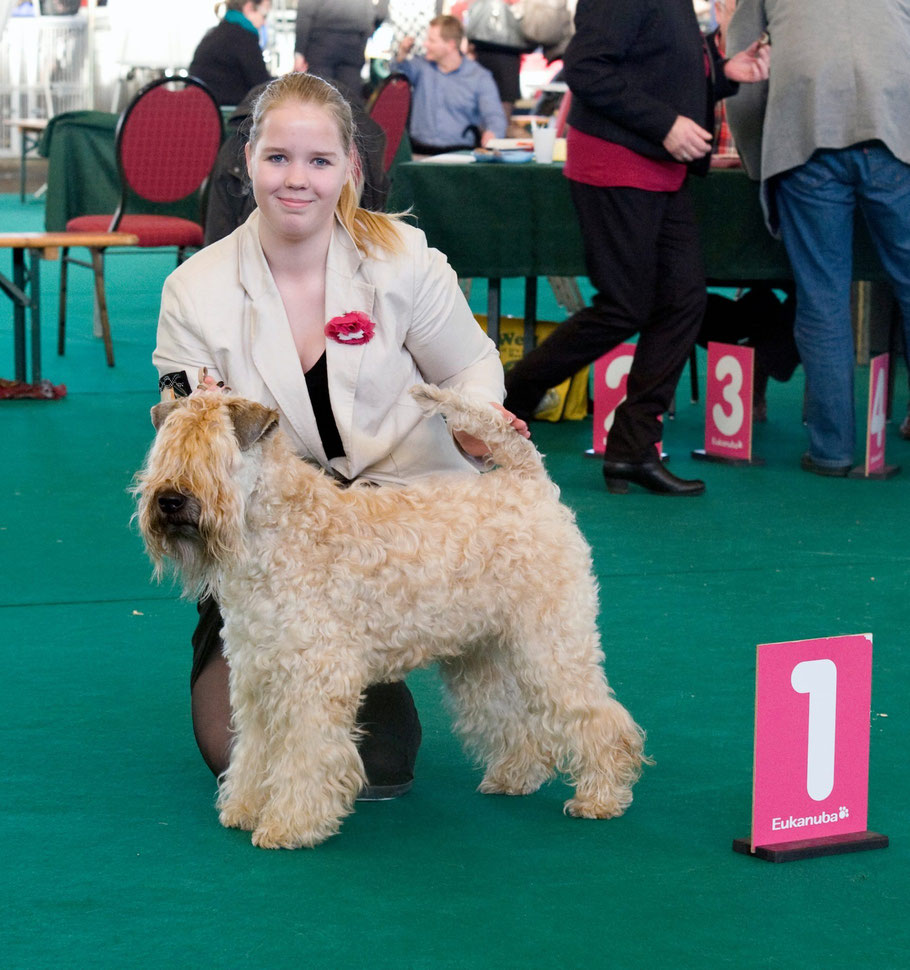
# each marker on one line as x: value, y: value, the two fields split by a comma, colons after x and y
x: 222, y: 310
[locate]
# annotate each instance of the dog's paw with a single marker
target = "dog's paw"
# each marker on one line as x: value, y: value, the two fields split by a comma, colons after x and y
x: 588, y: 807
x: 237, y: 816
x: 512, y: 779
x: 497, y: 786
x: 275, y: 835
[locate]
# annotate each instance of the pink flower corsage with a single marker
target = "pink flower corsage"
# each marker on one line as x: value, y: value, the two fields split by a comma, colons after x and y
x: 351, y: 328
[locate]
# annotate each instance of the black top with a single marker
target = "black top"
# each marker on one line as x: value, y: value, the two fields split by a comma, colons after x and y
x: 230, y: 62
x: 634, y: 65
x: 317, y: 385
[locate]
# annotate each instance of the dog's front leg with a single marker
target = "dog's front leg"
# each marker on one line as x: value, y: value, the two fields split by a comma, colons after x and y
x: 313, y: 770
x: 241, y: 789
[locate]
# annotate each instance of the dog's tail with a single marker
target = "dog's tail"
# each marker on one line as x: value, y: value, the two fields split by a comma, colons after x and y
x: 507, y: 449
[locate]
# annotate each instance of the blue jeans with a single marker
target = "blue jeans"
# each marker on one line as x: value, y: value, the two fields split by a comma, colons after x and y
x: 816, y: 203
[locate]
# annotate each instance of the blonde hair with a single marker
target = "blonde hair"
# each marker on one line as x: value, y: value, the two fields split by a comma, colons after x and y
x: 371, y: 231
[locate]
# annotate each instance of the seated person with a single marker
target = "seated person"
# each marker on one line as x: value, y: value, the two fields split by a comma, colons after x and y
x: 228, y: 58
x: 230, y: 195
x: 454, y: 98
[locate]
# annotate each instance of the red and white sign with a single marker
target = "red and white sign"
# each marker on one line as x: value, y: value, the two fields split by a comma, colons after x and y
x: 875, y: 424
x: 611, y: 372
x: 812, y: 708
x: 728, y: 396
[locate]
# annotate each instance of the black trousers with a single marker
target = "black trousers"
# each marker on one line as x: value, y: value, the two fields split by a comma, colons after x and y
x: 643, y: 255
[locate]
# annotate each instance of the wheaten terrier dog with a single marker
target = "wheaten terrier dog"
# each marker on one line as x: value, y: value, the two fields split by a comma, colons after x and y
x: 326, y: 590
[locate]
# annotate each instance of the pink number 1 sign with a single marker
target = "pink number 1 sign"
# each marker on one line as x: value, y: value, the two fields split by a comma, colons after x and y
x: 811, y: 767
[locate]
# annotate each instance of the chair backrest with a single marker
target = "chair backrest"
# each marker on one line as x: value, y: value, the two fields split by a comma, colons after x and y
x: 167, y: 140
x: 390, y: 108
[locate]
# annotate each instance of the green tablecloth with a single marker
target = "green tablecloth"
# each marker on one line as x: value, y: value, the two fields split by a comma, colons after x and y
x: 502, y: 220
x: 82, y: 177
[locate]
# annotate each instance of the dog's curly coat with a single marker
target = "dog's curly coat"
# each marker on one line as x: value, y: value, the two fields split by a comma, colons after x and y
x: 325, y: 590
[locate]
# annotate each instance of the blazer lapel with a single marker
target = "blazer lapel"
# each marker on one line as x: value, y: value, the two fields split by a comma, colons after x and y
x: 345, y: 291
x: 271, y: 345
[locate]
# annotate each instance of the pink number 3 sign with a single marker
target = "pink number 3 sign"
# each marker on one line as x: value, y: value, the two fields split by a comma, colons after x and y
x: 811, y: 768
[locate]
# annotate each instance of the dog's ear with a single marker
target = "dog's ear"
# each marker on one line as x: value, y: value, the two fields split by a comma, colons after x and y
x: 161, y: 411
x: 251, y: 422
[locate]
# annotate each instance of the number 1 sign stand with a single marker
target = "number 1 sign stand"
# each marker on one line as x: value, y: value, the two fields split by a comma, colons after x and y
x: 728, y: 406
x: 875, y: 466
x: 811, y: 770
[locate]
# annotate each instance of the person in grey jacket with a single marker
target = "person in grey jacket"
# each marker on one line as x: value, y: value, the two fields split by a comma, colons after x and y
x: 827, y: 134
x: 331, y: 38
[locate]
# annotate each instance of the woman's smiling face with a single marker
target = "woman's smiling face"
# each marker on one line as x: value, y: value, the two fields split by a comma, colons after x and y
x: 298, y: 168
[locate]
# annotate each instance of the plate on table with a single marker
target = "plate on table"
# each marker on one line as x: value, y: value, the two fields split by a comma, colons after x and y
x: 512, y: 155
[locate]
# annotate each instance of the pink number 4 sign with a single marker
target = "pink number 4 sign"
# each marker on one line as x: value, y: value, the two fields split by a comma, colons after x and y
x: 812, y: 708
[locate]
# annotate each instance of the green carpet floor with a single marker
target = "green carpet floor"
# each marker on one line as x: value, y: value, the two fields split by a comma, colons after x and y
x: 112, y: 856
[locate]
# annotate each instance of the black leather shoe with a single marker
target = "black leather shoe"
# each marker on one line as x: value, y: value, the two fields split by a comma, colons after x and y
x: 650, y: 475
x: 808, y: 464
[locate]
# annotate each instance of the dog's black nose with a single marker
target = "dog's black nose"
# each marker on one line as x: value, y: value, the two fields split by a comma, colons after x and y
x: 171, y: 502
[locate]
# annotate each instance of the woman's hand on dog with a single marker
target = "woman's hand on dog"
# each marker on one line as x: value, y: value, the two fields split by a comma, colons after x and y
x: 476, y: 448
x: 209, y: 383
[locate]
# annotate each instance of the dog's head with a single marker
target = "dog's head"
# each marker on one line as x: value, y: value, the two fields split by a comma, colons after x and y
x: 196, y: 480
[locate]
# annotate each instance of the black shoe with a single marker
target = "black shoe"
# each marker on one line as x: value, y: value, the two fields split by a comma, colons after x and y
x: 650, y: 475
x: 904, y: 430
x: 388, y: 747
x: 808, y: 464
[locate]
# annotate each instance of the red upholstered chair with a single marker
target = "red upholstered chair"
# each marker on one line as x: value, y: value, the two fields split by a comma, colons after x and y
x: 166, y: 142
x: 390, y: 108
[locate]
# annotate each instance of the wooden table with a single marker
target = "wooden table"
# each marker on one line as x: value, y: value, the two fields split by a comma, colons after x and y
x: 30, y: 132
x: 25, y: 287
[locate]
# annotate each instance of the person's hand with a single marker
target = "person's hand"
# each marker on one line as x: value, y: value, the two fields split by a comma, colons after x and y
x: 404, y: 48
x: 476, y: 448
x: 486, y: 138
x: 207, y: 383
x: 300, y: 63
x: 686, y: 141
x: 752, y: 64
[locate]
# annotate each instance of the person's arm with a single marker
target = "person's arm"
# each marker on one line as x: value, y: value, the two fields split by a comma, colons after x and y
x: 746, y: 112
x: 447, y: 344
x: 489, y: 107
x: 181, y: 352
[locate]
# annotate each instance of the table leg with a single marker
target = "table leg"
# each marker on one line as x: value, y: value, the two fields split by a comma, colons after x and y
x: 23, y: 151
x: 34, y: 284
x: 530, y: 313
x: 19, y: 315
x: 494, y: 292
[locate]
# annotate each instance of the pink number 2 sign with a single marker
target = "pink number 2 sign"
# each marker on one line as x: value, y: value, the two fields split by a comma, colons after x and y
x: 811, y: 768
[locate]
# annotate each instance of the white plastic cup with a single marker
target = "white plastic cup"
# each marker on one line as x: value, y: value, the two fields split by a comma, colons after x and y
x: 544, y: 142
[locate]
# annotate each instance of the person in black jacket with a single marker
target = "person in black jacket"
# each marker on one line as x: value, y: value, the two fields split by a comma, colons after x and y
x: 643, y: 84
x: 228, y: 58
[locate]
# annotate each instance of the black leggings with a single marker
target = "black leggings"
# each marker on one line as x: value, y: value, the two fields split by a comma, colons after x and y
x: 387, y: 712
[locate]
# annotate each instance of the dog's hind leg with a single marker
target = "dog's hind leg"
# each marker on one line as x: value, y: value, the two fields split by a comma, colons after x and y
x: 313, y: 769
x: 494, y: 722
x: 593, y: 737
